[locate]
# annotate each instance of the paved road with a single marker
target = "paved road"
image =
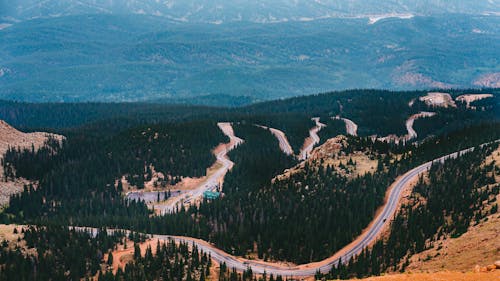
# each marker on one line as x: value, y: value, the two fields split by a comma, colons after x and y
x: 213, y: 181
x: 370, y: 234
x: 282, y: 139
x: 350, y: 127
x: 312, y: 140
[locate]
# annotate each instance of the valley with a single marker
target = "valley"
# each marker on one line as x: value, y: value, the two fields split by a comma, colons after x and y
x: 110, y: 58
x: 266, y: 188
x: 370, y: 234
x: 218, y: 140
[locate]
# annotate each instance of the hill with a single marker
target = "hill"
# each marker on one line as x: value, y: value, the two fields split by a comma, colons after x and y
x: 220, y: 11
x: 12, y: 138
x: 137, y: 58
x: 314, y: 209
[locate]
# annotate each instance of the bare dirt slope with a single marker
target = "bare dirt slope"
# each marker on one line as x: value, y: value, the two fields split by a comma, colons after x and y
x: 468, y: 99
x: 11, y: 137
x: 438, y: 99
x: 480, y: 245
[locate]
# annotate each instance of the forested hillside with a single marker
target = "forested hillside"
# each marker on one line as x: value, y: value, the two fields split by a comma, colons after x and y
x: 375, y: 111
x: 81, y: 175
x: 84, y: 58
x: 334, y: 127
x: 295, y: 126
x: 55, y: 253
x: 444, y: 203
x: 303, y: 217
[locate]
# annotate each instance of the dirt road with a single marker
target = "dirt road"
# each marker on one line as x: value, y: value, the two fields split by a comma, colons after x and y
x: 411, y: 133
x: 282, y: 139
x: 312, y: 140
x: 213, y: 181
x: 351, y: 128
x: 409, y: 123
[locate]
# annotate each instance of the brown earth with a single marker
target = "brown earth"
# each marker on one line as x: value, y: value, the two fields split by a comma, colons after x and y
x: 122, y: 256
x: 438, y: 99
x: 479, y: 245
x: 7, y: 232
x: 468, y: 99
x: 15, y: 240
x: 11, y: 137
x: 330, y: 153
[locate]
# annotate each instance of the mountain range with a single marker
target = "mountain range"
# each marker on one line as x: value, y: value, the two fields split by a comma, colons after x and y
x: 140, y: 57
x: 219, y: 11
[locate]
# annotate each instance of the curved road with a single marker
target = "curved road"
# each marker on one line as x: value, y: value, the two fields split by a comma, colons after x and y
x: 214, y: 180
x: 370, y: 234
x: 351, y: 128
x: 409, y: 123
x: 411, y: 133
x: 283, y: 141
x: 311, y: 140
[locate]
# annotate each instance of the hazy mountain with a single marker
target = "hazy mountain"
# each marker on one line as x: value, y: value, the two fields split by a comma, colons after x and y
x: 218, y: 11
x: 108, y: 57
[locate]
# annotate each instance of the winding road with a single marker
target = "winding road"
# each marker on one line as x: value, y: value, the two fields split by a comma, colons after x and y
x: 369, y: 235
x: 282, y: 139
x: 214, y: 180
x: 409, y: 123
x: 351, y: 128
x: 312, y: 140
x: 411, y: 133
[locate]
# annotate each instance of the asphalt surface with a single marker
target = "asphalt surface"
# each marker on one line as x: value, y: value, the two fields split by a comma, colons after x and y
x: 369, y: 235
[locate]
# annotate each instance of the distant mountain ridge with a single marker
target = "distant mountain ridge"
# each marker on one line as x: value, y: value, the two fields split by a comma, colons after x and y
x: 137, y: 57
x: 260, y: 11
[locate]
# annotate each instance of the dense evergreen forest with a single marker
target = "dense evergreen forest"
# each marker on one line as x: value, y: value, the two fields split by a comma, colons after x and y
x: 375, y: 111
x: 443, y: 205
x: 304, y: 218
x: 287, y: 220
x: 334, y: 127
x: 257, y: 160
x: 79, y: 180
x: 59, y: 254
x: 295, y: 126
x: 265, y: 212
x: 170, y: 261
x: 450, y: 119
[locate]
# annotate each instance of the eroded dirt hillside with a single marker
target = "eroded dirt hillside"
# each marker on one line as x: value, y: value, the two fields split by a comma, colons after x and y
x: 11, y: 137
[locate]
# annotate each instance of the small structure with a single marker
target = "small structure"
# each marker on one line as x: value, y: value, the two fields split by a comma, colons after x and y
x: 210, y: 195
